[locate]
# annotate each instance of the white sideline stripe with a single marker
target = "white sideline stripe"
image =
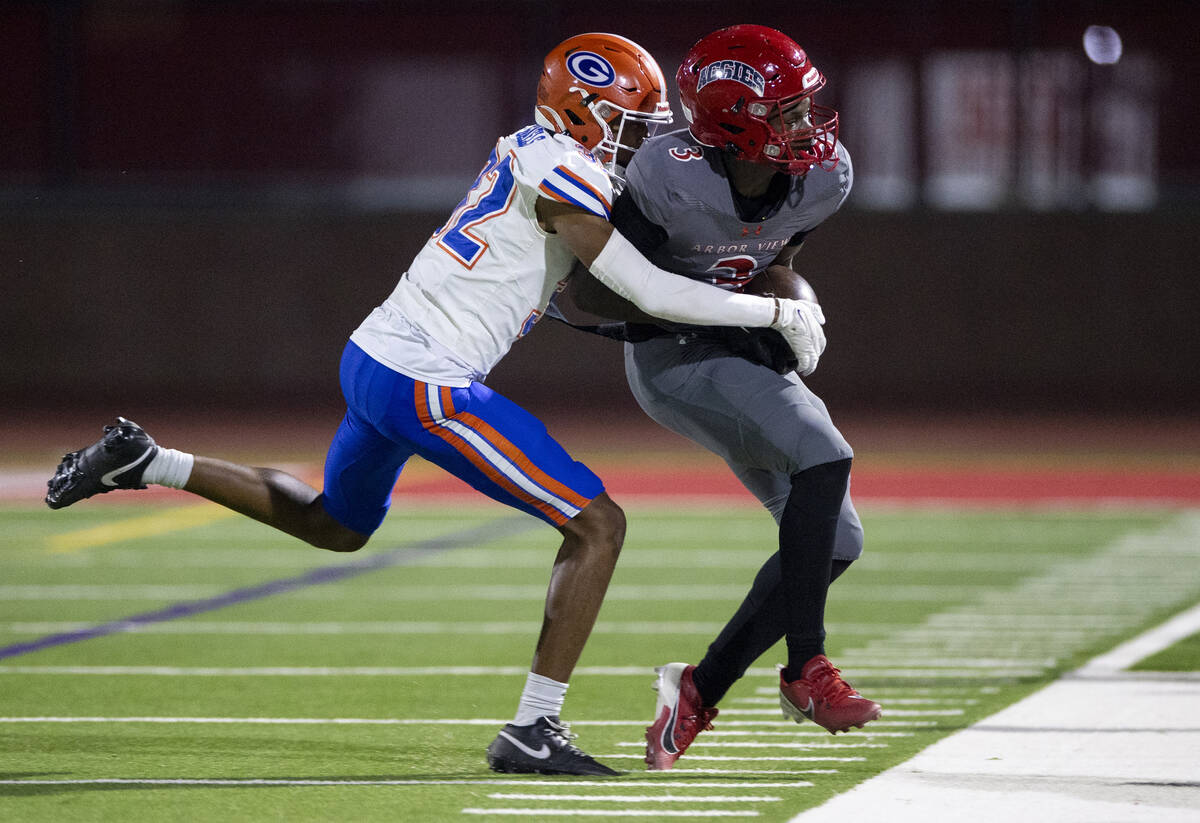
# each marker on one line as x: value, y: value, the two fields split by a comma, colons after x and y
x: 1123, y: 656
x: 1096, y: 744
x: 639, y: 798
x: 614, y: 812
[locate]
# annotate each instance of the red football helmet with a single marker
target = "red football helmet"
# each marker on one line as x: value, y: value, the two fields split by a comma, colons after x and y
x: 748, y: 89
x: 606, y: 92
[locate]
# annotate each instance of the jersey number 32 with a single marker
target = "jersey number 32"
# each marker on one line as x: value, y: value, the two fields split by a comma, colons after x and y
x: 488, y: 197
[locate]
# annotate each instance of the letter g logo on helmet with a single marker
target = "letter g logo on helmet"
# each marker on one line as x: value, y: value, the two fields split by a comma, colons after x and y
x: 589, y: 67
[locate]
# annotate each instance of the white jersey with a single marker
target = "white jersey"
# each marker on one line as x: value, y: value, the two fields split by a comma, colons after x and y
x: 485, y: 277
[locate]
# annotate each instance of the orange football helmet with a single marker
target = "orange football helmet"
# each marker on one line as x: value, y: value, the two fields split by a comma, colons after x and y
x: 606, y: 92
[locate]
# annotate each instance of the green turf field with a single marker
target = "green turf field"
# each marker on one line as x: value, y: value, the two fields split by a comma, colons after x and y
x: 367, y: 686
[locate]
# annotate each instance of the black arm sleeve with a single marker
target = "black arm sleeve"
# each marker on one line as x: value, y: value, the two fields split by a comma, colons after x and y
x: 635, y: 227
x: 798, y: 238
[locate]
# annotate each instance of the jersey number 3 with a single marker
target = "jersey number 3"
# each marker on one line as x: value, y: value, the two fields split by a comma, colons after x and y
x: 490, y: 196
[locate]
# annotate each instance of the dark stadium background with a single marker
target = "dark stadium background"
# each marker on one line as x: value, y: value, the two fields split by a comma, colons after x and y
x: 200, y: 200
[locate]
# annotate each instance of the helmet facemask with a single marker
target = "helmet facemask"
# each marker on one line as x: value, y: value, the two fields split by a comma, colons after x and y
x: 798, y: 133
x: 624, y: 132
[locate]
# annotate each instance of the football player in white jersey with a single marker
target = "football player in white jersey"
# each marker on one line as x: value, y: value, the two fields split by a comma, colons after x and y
x: 724, y: 201
x: 412, y: 372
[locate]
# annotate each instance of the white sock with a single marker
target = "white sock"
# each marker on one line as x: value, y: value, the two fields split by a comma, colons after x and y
x: 169, y: 467
x: 542, y: 697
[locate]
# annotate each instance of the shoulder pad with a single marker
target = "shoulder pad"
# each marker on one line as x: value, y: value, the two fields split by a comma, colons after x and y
x: 560, y: 169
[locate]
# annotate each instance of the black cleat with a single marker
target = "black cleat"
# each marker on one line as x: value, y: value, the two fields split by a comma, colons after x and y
x: 541, y: 748
x: 117, y: 461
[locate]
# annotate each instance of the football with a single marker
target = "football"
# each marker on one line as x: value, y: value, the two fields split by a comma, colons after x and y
x: 780, y: 281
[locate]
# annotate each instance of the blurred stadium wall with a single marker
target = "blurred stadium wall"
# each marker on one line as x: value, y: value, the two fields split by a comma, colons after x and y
x: 199, y: 201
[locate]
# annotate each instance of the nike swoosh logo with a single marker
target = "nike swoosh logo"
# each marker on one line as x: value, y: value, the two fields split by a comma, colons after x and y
x: 668, y: 733
x: 540, y: 754
x: 808, y: 710
x: 108, y: 478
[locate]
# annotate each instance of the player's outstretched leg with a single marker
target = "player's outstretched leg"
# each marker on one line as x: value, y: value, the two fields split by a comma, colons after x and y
x: 128, y: 458
x: 822, y: 696
x: 116, y: 461
x: 544, y: 747
x: 679, y: 715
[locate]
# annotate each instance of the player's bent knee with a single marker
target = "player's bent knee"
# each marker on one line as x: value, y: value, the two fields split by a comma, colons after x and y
x: 318, y: 528
x: 342, y: 541
x: 602, y: 522
x: 326, y: 533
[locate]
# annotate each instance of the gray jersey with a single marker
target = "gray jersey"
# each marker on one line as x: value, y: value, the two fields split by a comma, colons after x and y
x: 766, y: 426
x: 680, y: 185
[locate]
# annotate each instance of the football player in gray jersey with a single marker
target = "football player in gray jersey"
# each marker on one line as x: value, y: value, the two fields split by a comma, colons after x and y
x: 759, y: 167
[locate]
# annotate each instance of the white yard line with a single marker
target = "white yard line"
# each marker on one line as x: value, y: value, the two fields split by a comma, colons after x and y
x: 639, y: 798
x: 657, y: 813
x: 484, y: 558
x: 200, y: 626
x: 746, y: 771
x: 314, y: 671
x: 480, y: 671
x: 523, y: 781
x: 407, y: 593
x: 399, y: 627
x: 732, y: 758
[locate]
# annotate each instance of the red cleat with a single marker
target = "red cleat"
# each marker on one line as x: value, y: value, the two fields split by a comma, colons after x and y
x: 821, y: 696
x: 679, y: 716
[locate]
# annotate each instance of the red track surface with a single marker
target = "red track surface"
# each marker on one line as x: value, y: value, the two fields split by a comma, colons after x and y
x: 979, y: 461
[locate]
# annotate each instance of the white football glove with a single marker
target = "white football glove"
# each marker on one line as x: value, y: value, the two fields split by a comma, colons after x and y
x: 800, y: 322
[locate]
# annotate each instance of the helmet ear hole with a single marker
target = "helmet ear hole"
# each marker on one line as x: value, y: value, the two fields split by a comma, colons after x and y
x: 573, y: 117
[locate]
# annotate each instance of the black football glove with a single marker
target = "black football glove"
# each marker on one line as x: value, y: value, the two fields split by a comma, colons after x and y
x: 763, y: 346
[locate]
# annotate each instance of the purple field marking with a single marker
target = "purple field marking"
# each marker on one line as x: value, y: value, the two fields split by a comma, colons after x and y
x: 325, y: 574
